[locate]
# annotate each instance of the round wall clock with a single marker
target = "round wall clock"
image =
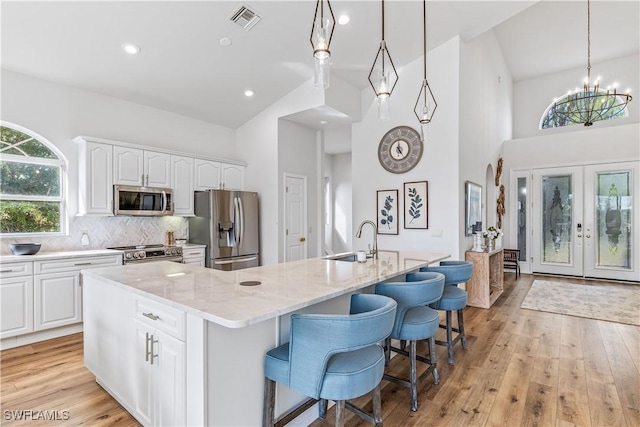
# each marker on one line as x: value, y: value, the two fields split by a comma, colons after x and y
x: 400, y: 149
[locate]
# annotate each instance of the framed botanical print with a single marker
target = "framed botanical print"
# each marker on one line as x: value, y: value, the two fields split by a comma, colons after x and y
x: 472, y: 208
x: 416, y: 204
x: 387, y: 205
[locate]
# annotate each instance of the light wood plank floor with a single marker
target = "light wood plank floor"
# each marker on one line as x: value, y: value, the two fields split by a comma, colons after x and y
x: 522, y: 367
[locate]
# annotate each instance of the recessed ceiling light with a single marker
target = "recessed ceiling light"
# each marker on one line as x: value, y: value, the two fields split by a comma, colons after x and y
x: 343, y: 19
x: 225, y: 41
x: 323, y: 122
x: 132, y: 49
x: 249, y: 93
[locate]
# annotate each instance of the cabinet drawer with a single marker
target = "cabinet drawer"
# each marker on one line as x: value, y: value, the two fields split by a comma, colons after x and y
x: 192, y: 253
x: 160, y: 316
x: 76, y: 264
x: 15, y: 269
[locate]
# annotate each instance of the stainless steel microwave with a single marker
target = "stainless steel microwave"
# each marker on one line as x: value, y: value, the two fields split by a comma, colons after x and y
x: 142, y: 201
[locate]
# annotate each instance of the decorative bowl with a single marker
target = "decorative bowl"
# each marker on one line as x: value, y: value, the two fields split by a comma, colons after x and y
x: 25, y: 248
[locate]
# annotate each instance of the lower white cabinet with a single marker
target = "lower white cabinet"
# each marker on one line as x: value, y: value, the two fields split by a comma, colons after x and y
x: 193, y: 256
x: 57, y: 300
x: 16, y: 306
x: 160, y: 377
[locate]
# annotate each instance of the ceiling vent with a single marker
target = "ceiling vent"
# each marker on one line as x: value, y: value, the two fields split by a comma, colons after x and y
x: 245, y: 17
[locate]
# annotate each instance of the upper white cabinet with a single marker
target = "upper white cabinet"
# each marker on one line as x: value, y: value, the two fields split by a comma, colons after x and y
x: 182, y: 184
x: 96, y: 178
x: 133, y: 166
x: 216, y: 175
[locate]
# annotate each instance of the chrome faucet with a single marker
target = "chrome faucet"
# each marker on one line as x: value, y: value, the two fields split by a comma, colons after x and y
x: 373, y: 251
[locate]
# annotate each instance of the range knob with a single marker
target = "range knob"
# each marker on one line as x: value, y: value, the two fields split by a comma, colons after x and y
x: 136, y: 255
x: 128, y: 255
x: 142, y: 254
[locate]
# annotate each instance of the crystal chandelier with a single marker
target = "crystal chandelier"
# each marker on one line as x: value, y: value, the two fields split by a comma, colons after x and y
x: 321, y: 34
x: 592, y: 103
x: 383, y: 78
x: 426, y: 103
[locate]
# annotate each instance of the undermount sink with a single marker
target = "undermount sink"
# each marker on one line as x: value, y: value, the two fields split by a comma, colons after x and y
x: 347, y: 257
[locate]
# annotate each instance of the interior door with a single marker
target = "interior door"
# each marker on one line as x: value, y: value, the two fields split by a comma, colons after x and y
x: 611, y: 221
x: 295, y: 217
x: 557, y: 221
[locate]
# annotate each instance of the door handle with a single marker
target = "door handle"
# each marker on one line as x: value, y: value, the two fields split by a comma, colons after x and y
x: 302, y: 239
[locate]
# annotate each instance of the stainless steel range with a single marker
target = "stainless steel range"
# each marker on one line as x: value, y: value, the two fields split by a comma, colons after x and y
x: 150, y: 253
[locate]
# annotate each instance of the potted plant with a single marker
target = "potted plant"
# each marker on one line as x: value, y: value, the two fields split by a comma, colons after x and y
x: 490, y: 235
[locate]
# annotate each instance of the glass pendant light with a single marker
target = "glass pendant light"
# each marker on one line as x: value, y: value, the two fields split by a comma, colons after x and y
x: 383, y: 76
x: 321, y: 34
x: 426, y: 103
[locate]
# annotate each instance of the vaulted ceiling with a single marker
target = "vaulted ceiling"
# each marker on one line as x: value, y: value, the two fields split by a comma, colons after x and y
x: 183, y: 67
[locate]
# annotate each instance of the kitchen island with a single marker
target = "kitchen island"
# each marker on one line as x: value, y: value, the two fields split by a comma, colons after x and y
x: 183, y: 345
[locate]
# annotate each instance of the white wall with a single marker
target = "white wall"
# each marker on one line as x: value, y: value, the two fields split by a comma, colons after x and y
x: 533, y: 96
x: 297, y: 155
x: 438, y: 165
x: 486, y: 92
x: 342, y: 230
x: 257, y: 144
x: 60, y: 113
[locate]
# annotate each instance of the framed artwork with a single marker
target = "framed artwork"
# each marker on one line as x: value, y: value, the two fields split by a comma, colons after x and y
x: 416, y: 204
x: 387, y: 211
x: 472, y: 208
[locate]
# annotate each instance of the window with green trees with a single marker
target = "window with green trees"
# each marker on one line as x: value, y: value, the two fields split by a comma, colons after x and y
x: 31, y: 183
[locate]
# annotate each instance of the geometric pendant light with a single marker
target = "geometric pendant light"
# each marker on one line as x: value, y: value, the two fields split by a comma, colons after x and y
x: 321, y: 33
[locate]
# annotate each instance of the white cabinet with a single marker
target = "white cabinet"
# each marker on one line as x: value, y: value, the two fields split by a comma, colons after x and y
x: 16, y: 300
x: 57, y: 300
x: 95, y: 183
x: 133, y: 166
x: 182, y: 185
x: 216, y: 175
x: 159, y: 391
x: 193, y: 256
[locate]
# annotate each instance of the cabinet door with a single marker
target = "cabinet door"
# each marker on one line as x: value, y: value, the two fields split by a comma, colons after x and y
x: 170, y: 381
x: 193, y: 256
x: 182, y: 185
x: 143, y: 393
x: 232, y: 177
x: 57, y: 300
x: 207, y: 175
x: 157, y: 169
x: 127, y: 165
x: 16, y: 306
x: 96, y: 179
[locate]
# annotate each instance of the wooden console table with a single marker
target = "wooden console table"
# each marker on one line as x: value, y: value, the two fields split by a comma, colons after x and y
x: 485, y: 285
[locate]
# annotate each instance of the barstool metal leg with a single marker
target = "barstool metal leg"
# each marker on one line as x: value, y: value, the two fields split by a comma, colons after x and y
x: 449, y: 338
x: 322, y: 408
x: 340, y: 413
x: 268, y: 403
x: 413, y: 375
x: 432, y: 358
x: 377, y: 406
x: 463, y: 337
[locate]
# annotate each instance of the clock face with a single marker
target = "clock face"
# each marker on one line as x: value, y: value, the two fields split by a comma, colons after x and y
x: 400, y: 149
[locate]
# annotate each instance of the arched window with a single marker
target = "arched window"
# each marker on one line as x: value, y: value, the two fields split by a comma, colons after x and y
x: 32, y: 179
x: 574, y: 106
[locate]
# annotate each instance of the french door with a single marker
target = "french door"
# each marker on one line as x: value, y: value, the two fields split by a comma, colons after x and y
x: 585, y: 221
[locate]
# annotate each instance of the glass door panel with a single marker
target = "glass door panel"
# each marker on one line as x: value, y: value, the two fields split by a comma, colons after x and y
x: 611, y: 207
x: 557, y: 221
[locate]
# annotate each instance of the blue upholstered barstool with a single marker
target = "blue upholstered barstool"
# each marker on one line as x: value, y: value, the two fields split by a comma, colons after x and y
x: 414, y: 321
x: 333, y: 357
x: 453, y: 298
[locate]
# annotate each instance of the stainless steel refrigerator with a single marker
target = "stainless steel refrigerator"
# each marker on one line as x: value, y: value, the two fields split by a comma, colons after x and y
x: 227, y: 222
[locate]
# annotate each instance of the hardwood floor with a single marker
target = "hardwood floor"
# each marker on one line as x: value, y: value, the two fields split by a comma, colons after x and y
x: 521, y: 367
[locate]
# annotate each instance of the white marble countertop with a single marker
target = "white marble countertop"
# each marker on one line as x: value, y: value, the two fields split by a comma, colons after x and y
x: 217, y: 296
x: 4, y: 258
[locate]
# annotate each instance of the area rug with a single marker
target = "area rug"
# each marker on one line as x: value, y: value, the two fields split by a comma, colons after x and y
x: 611, y: 302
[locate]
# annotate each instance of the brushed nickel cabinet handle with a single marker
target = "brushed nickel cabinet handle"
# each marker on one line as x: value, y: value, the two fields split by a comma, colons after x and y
x: 151, y: 316
x: 83, y: 263
x: 6, y: 271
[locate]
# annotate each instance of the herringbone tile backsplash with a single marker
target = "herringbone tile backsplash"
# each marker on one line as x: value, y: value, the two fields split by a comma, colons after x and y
x: 106, y: 232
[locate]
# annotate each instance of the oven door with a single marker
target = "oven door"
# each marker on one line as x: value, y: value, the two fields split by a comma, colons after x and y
x: 177, y: 258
